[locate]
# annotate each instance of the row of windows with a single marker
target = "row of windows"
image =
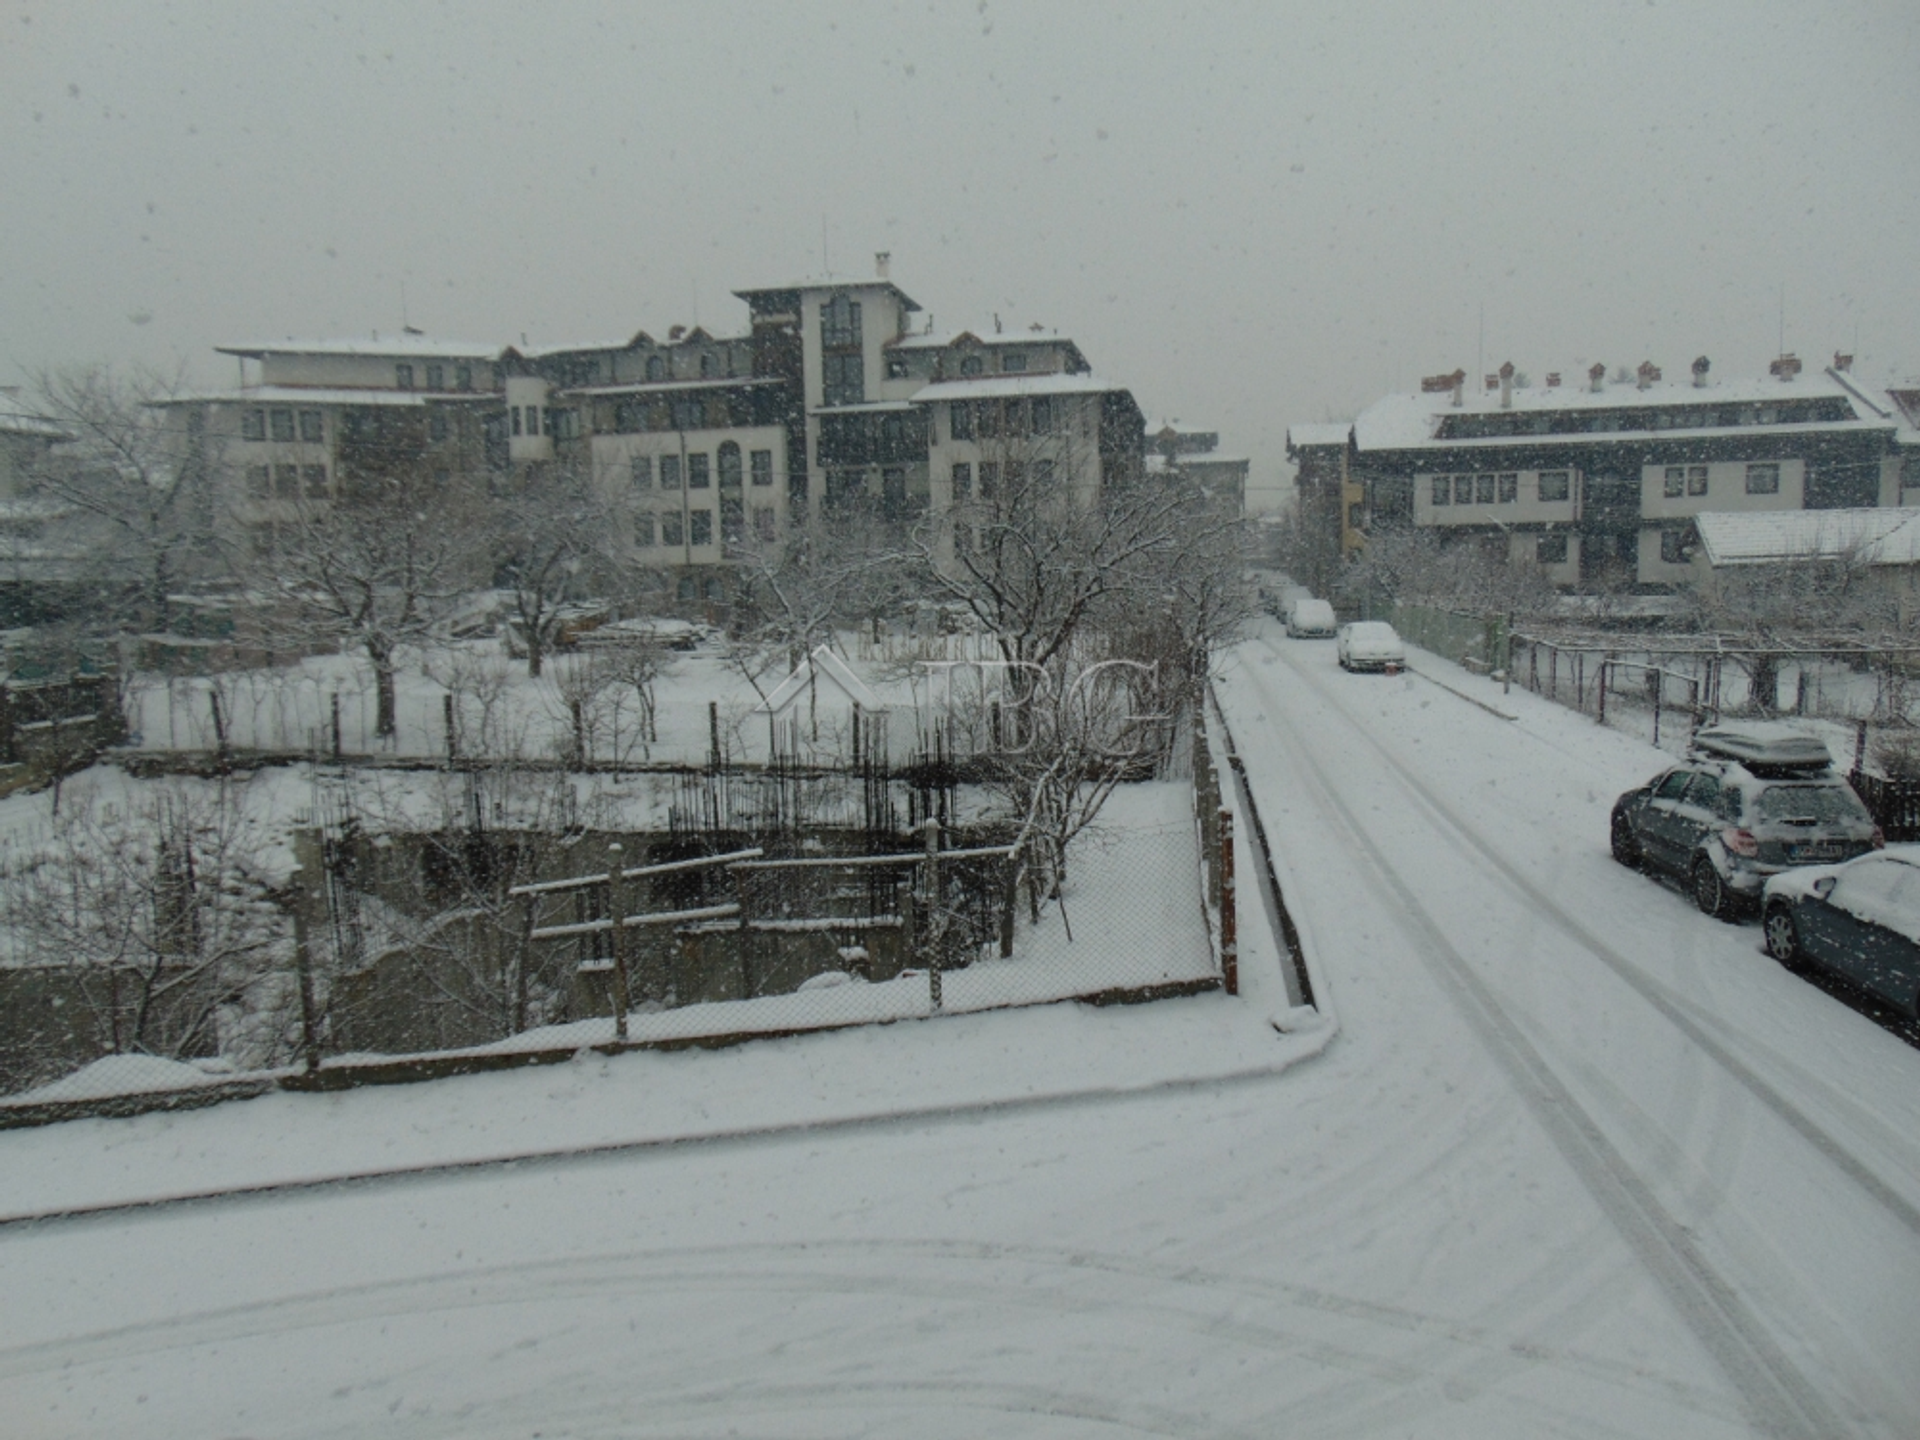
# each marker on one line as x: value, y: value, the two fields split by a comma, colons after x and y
x: 1497, y: 489
x: 1762, y: 479
x: 283, y: 426
x: 989, y: 419
x: 436, y: 377
x: 989, y: 471
x: 285, y: 482
x: 698, y: 470
x: 1824, y: 411
x: 695, y: 527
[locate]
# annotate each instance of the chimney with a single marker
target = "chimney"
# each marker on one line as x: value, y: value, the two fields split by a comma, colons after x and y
x: 1842, y: 363
x: 1700, y: 368
x: 1598, y: 377
x: 1493, y: 381
x: 1506, y: 386
x: 882, y: 262
x: 1647, y: 374
x: 1437, y: 384
x: 1786, y: 367
x: 1553, y: 379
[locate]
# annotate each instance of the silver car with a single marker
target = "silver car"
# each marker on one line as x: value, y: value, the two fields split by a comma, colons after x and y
x: 1371, y: 645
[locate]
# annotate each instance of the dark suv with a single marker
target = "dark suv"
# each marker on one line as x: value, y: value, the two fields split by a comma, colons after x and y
x: 1749, y: 802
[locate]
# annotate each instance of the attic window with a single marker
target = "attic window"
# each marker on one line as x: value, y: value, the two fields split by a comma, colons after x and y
x: 1013, y: 364
x: 970, y: 365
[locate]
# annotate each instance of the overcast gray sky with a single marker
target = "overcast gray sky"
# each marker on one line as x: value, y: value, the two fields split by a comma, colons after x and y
x: 1251, y: 214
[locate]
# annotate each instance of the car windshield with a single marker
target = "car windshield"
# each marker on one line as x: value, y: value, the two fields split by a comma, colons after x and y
x: 1808, y: 804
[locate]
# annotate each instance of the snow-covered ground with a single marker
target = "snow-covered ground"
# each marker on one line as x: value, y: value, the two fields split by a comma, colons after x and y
x: 1574, y: 1160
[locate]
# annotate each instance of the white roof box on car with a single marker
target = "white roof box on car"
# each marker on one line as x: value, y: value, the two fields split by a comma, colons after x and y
x: 1765, y: 743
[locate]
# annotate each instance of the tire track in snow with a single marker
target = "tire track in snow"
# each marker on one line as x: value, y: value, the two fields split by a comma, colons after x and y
x: 1682, y: 1013
x: 1780, y: 1399
x: 1351, y: 1337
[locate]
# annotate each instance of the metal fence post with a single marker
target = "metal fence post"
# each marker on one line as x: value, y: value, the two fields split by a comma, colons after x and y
x: 617, y: 913
x: 932, y: 888
x: 1229, y: 919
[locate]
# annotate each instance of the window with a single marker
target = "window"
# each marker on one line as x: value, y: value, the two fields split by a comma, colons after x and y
x: 960, y: 420
x: 1763, y: 479
x: 1013, y: 364
x: 1043, y: 416
x: 733, y: 520
x: 1483, y: 489
x: 316, y: 478
x: 671, y: 532
x: 259, y: 481
x: 403, y: 376
x: 656, y: 368
x: 1463, y: 489
x: 1673, y: 786
x: 843, y: 380
x: 533, y: 419
x: 962, y: 483
x: 436, y: 377
x: 686, y: 589
x: 699, y: 476
x: 688, y: 413
x: 669, y: 472
x: 716, y: 590
x: 1676, y: 482
x: 643, y: 529
x: 896, y: 367
x: 436, y: 425
x: 1551, y: 550
x: 282, y: 425
x: 989, y: 479
x: 1509, y: 489
x: 700, y: 527
x: 987, y: 419
x: 253, y: 425
x: 1696, y: 480
x: 312, y: 431
x: 840, y: 323
x: 893, y: 492
x: 760, y: 463
x: 514, y: 411
x: 706, y: 366
x: 642, y: 472
x: 1553, y: 485
x: 463, y: 377
x: 729, y: 466
x: 970, y: 365
x: 1674, y: 549
x: 286, y: 482
x: 763, y: 523
x: 1443, y: 489
x: 1043, y: 472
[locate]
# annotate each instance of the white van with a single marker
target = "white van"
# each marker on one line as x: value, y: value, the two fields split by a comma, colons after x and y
x: 1310, y: 617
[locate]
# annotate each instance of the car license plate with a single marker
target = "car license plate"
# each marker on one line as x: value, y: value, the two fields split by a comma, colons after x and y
x: 1813, y: 852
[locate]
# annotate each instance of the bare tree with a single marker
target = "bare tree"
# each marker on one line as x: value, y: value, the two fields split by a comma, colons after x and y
x: 547, y: 541
x: 158, y: 910
x: 133, y: 471
x: 375, y: 571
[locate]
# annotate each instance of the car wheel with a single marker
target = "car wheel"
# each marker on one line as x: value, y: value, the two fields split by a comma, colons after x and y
x: 1626, y: 848
x: 1782, y: 935
x: 1710, y: 891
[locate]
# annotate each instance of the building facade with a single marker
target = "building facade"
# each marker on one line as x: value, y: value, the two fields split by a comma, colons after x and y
x: 1600, y: 483
x: 834, y: 398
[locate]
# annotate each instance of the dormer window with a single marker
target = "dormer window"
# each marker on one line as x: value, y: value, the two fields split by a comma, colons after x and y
x: 403, y: 377
x: 1013, y: 364
x: 970, y: 365
x: 436, y: 377
x: 463, y: 377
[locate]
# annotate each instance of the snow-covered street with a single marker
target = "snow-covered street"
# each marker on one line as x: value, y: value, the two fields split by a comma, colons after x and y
x: 1577, y: 1160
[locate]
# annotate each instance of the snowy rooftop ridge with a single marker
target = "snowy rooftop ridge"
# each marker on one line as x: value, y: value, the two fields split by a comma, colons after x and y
x: 997, y: 387
x: 1318, y: 434
x: 1879, y: 536
x: 401, y: 346
x: 1412, y: 421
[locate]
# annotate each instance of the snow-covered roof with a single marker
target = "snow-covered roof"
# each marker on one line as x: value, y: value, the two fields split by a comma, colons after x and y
x: 1880, y: 536
x: 998, y: 387
x: 32, y: 425
x: 830, y: 282
x: 1409, y: 422
x: 403, y: 347
x: 1300, y: 435
x: 658, y: 387
x: 940, y: 340
x: 865, y: 407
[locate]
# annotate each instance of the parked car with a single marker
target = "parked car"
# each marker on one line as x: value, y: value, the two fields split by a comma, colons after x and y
x: 1749, y: 802
x: 1860, y: 920
x: 1371, y: 645
x: 1308, y: 617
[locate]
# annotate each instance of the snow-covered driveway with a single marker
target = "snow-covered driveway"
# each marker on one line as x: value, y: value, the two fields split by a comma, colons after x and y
x: 1580, y: 1162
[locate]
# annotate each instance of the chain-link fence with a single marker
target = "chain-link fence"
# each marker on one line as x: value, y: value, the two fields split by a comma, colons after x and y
x: 428, y: 953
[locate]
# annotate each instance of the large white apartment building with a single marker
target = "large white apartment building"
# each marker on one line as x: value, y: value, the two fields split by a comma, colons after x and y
x: 835, y: 396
